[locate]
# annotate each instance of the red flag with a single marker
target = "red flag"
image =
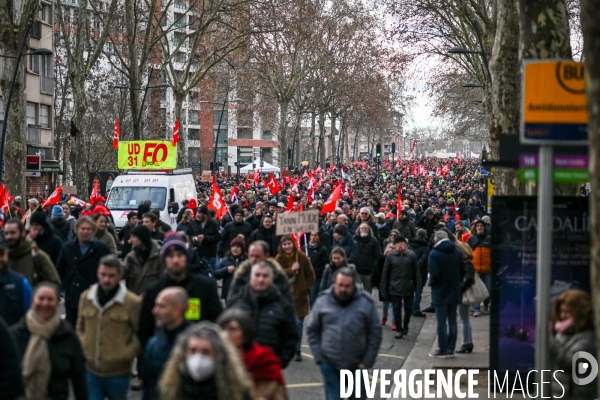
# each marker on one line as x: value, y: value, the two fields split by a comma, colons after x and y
x: 94, y: 193
x: 301, y: 207
x: 246, y: 186
x: 290, y: 204
x: 175, y: 133
x: 213, y: 182
x: 54, y: 198
x: 446, y: 169
x: 428, y: 184
x: 400, y: 203
x: 234, y: 194
x: 217, y: 203
x: 77, y: 201
x: 331, y: 202
x: 273, y: 185
x: 116, y: 134
x: 4, y: 194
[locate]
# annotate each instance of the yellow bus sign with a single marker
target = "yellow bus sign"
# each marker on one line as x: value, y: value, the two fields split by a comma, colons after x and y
x: 554, y: 106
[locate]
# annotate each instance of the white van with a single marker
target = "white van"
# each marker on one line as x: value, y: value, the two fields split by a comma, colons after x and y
x: 165, y: 190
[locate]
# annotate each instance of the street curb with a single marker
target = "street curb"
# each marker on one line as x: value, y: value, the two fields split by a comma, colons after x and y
x: 419, y: 355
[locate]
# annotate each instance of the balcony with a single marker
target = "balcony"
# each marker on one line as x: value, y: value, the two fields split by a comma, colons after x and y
x: 46, y: 85
x: 34, y: 135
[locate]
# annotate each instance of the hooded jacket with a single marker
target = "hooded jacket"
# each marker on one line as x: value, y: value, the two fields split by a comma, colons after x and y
x: 32, y: 263
x: 62, y: 228
x: 446, y: 273
x: 140, y: 275
x: 49, y: 242
x: 344, y: 335
x: 241, y: 279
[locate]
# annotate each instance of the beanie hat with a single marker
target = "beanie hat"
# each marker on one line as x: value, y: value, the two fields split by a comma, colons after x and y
x: 404, y: 212
x: 239, y: 211
x: 341, y: 229
x: 239, y: 242
x: 142, y: 233
x: 39, y: 217
x: 173, y: 242
x: 399, y: 238
x: 203, y: 210
x: 57, y: 212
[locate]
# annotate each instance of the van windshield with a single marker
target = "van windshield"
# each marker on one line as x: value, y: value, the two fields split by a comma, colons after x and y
x: 129, y: 198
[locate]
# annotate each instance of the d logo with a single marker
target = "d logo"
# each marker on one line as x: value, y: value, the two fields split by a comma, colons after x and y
x: 583, y: 367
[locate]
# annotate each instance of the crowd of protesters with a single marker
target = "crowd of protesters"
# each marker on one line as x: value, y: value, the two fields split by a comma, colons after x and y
x: 215, y: 309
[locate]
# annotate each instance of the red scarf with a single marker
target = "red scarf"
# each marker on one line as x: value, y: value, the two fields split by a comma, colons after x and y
x: 262, y: 363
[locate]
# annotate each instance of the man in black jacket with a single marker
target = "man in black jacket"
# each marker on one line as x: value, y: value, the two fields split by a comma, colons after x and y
x: 266, y: 232
x: 272, y: 313
x: 43, y: 235
x: 427, y: 221
x: 341, y: 238
x: 78, y: 265
x: 420, y: 247
x: 400, y: 279
x: 369, y: 251
x: 125, y: 233
x: 204, y: 235
x: 234, y: 228
x: 203, y: 302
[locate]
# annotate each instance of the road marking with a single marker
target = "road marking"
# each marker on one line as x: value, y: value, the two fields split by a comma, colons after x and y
x: 307, y: 355
x: 305, y: 345
x: 300, y: 385
x: 390, y: 356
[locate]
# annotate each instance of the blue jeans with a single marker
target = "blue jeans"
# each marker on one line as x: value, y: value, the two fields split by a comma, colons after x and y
x: 331, y: 376
x: 463, y: 315
x: 386, y: 306
x: 416, y: 306
x: 487, y: 281
x: 447, y: 329
x: 211, y: 261
x: 300, y: 328
x: 314, y: 293
x: 111, y: 387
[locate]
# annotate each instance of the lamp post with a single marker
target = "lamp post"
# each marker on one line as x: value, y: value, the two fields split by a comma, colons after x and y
x: 462, y: 50
x: 137, y: 121
x: 471, y: 85
x: 38, y: 52
x: 225, y: 101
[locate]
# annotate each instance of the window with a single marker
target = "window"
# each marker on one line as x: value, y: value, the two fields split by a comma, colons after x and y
x: 129, y: 198
x: 46, y: 13
x: 179, y: 38
x: 180, y: 20
x: 44, y: 113
x: 193, y: 114
x: 222, y: 154
x: 31, y: 120
x: 108, y: 48
x: 34, y: 64
x: 194, y: 156
x: 163, y: 117
x: 36, y: 30
x: 180, y: 57
x: 193, y: 134
x: 96, y: 24
x: 222, y: 136
x: 218, y: 116
x: 46, y: 75
x: 1, y: 109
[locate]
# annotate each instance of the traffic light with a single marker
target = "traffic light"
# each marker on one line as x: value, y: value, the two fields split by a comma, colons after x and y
x: 484, y: 156
x: 262, y: 158
x: 393, y: 147
x: 378, y: 150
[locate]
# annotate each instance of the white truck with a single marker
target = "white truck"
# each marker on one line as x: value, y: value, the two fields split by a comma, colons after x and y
x: 166, y: 191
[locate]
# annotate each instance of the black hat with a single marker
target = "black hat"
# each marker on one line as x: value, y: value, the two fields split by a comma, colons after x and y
x: 341, y: 229
x: 479, y: 221
x: 399, y: 238
x: 142, y: 233
x: 39, y: 217
x: 203, y: 210
x: 239, y: 211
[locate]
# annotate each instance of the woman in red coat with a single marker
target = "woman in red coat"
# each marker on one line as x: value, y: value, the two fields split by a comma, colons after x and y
x: 261, y: 362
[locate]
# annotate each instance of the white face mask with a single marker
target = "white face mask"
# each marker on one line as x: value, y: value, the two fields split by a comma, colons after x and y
x: 200, y: 367
x: 364, y: 234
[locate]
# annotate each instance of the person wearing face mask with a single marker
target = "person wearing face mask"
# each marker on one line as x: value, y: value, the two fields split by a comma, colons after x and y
x: 50, y: 352
x: 143, y: 265
x: 204, y: 365
x: 266, y: 232
x: 369, y: 252
x: 204, y: 303
x: 107, y: 323
x: 233, y: 258
x: 301, y: 277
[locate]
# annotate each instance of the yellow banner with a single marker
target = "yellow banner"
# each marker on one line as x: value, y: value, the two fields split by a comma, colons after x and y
x: 147, y: 154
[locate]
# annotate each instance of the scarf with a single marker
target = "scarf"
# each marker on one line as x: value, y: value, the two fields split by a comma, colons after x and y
x: 36, y: 361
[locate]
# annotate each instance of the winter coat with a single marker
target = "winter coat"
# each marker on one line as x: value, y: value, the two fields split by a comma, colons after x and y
x: 273, y: 317
x: 15, y: 296
x: 61, y: 228
x: 383, y: 232
x: 427, y: 224
x: 49, y: 243
x: 208, y: 246
x: 78, y: 271
x: 202, y: 292
x: 140, y: 276
x: 124, y: 235
x: 401, y: 275
x: 350, y: 247
x: 369, y: 251
x: 330, y: 269
x: 230, y: 232
x: 66, y: 359
x: 344, y: 335
x: 406, y: 228
x: 319, y: 257
x: 183, y: 227
x: 563, y: 347
x: 421, y: 249
x: 469, y: 278
x: 108, y: 333
x: 301, y: 281
x: 253, y: 221
x: 241, y: 278
x: 108, y: 240
x: 446, y: 273
x: 221, y: 272
x: 482, y: 252
x: 268, y: 235
x: 34, y: 264
x: 326, y: 238
x: 11, y: 381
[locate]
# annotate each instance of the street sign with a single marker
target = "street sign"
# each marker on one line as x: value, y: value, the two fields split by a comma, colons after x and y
x: 559, y: 175
x: 246, y: 151
x: 554, y: 105
x: 576, y: 161
x: 33, y: 163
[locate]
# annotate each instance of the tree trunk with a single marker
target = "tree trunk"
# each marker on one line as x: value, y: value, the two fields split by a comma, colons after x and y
x: 321, y: 151
x: 79, y: 150
x: 544, y: 29
x: 181, y: 144
x: 282, y: 134
x: 312, y: 151
x: 332, y: 137
x: 298, y: 145
x: 505, y: 91
x: 590, y: 15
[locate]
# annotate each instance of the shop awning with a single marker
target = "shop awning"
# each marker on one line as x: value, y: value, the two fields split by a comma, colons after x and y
x: 51, y: 166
